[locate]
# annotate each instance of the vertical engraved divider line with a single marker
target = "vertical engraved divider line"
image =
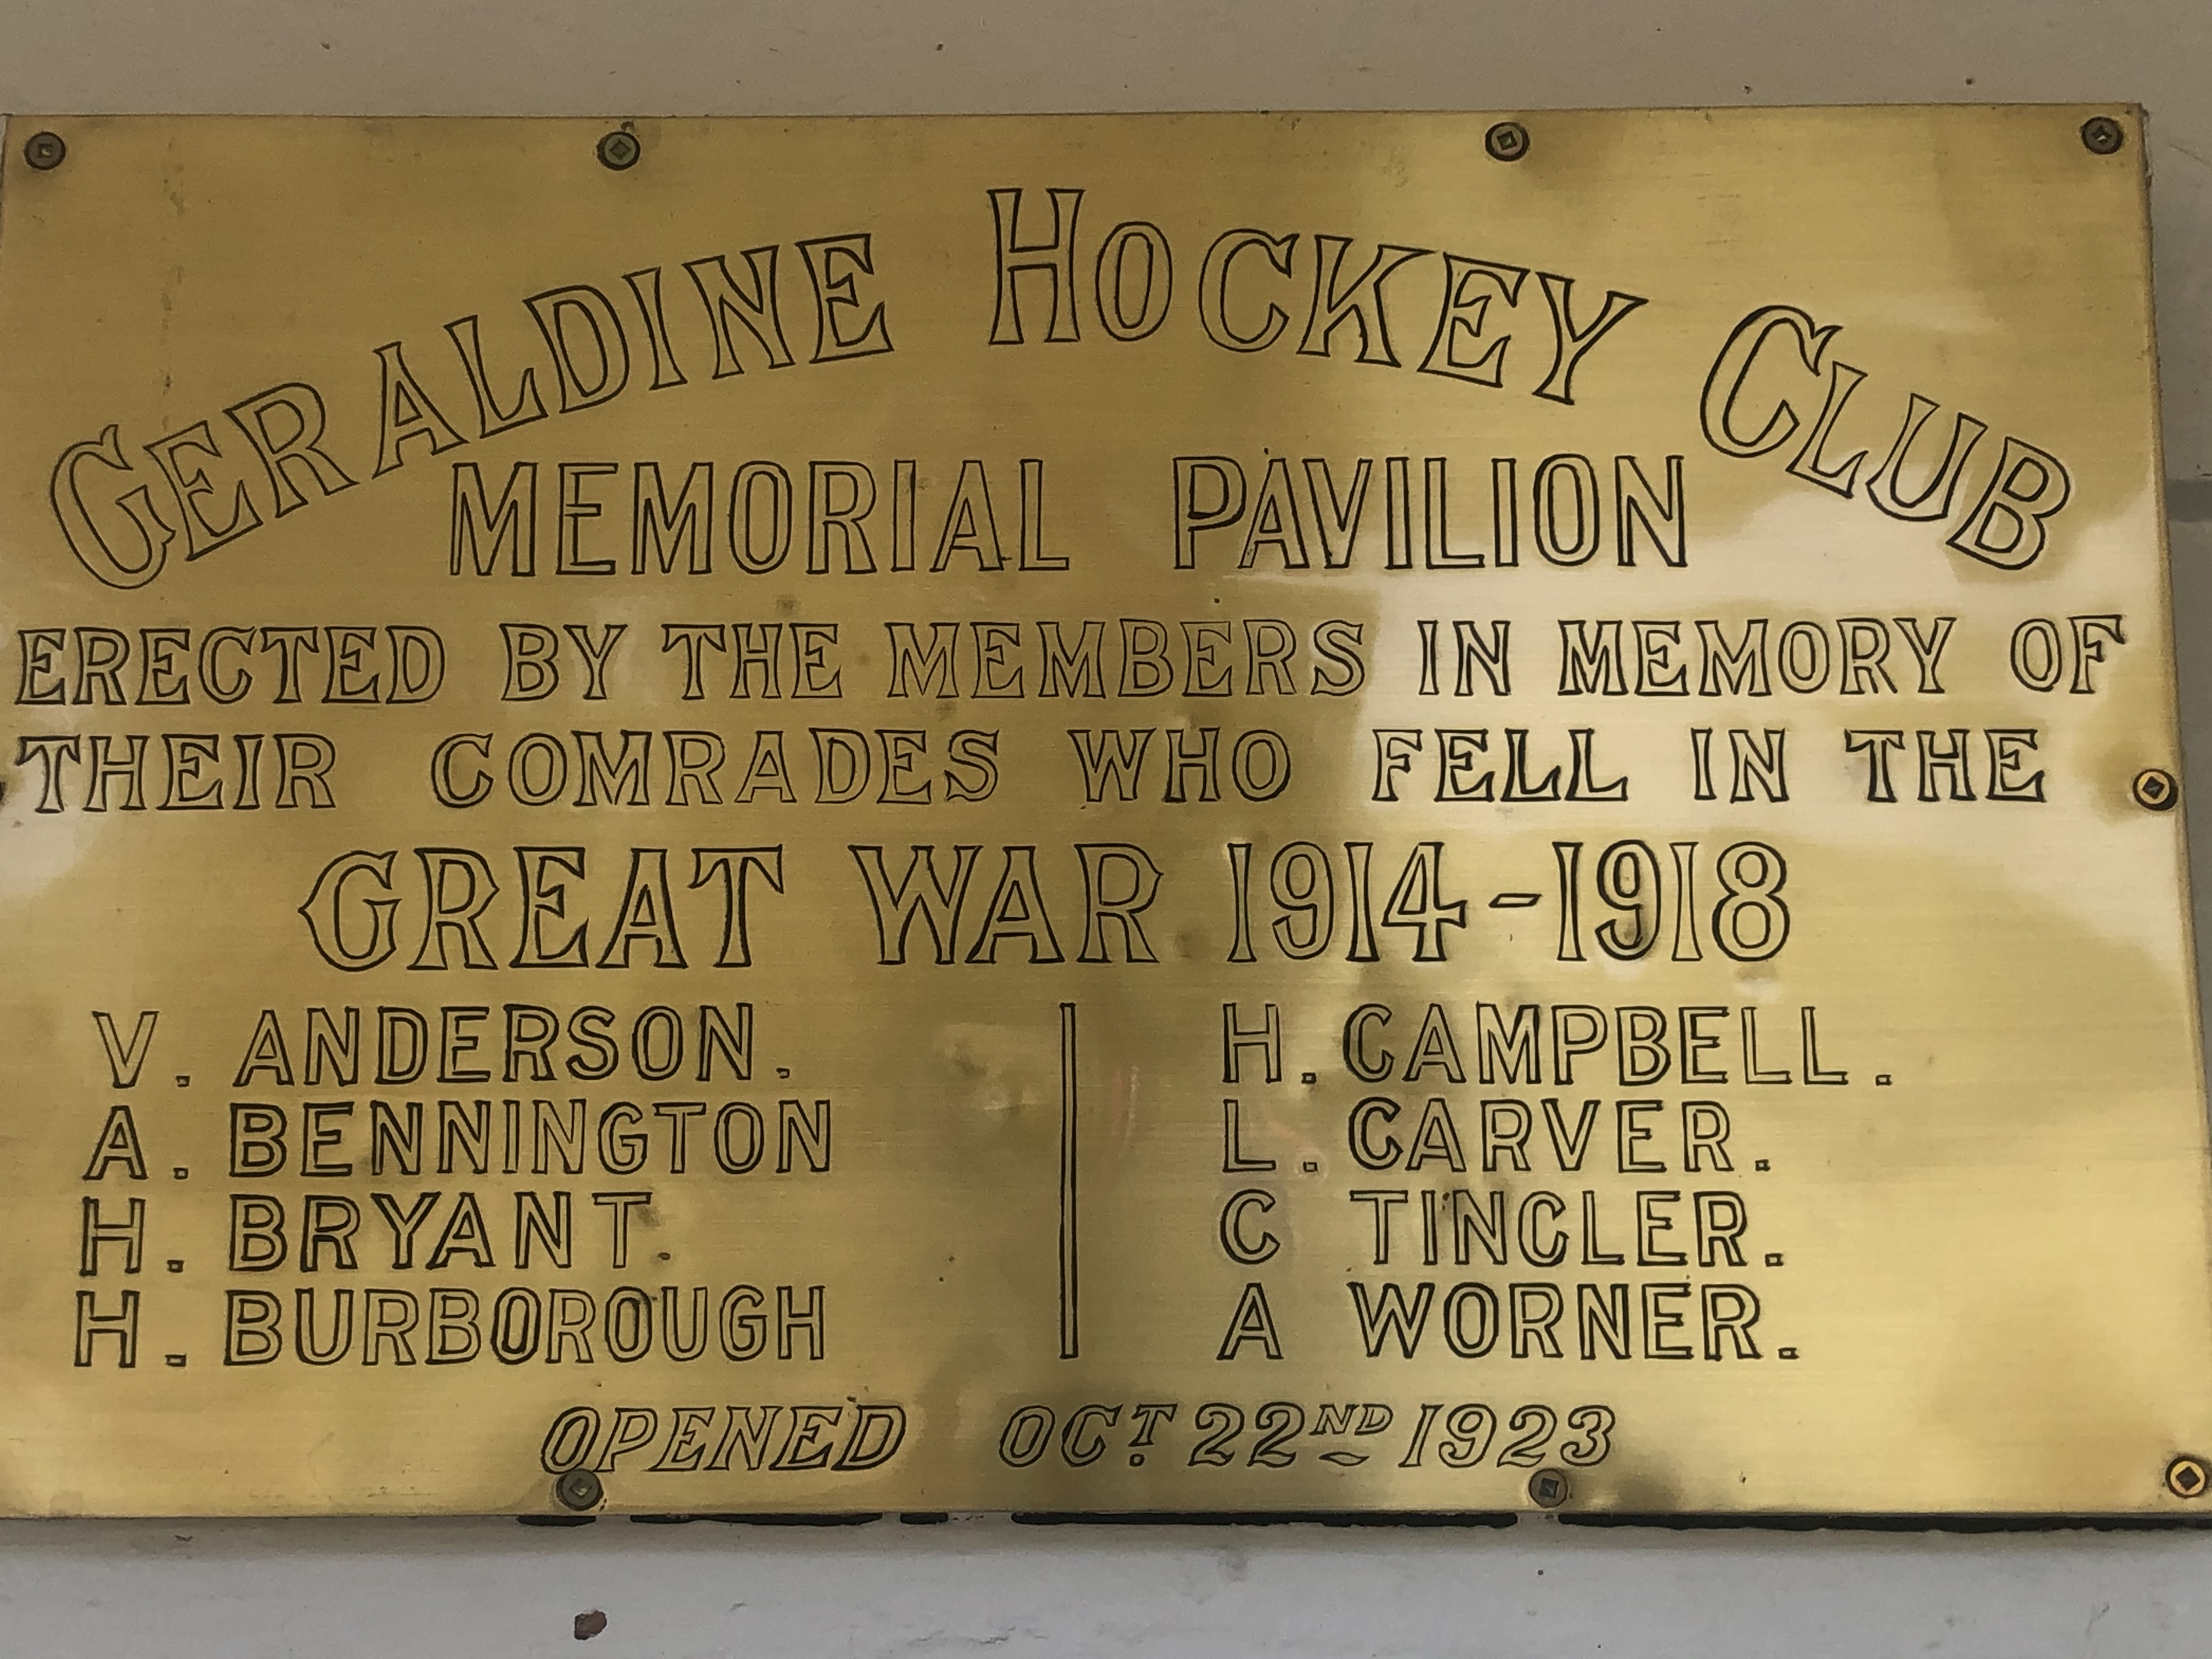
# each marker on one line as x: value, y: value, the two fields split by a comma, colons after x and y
x: 1068, y: 1261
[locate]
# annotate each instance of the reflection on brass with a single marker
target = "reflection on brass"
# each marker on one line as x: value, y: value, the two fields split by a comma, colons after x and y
x: 1221, y: 812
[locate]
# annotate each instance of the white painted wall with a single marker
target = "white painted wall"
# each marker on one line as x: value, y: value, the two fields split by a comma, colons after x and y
x: 485, y: 1589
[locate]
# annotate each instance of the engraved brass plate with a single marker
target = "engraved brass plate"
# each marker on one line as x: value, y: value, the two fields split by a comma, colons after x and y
x: 1231, y: 813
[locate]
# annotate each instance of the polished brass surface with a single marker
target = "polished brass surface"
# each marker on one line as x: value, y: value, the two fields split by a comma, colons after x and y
x: 1191, y: 813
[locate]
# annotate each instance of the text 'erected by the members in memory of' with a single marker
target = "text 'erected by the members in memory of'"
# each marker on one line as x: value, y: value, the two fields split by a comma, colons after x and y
x: 1229, y: 813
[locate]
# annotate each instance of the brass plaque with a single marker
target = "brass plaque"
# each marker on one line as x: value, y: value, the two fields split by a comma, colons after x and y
x: 1233, y: 813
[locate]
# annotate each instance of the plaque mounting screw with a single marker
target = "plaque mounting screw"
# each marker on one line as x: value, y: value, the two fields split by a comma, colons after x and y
x: 579, y: 1489
x: 2187, y: 1477
x: 620, y: 150
x: 1548, y: 1488
x: 2102, y: 135
x: 2155, y: 790
x: 45, y: 150
x: 1506, y: 142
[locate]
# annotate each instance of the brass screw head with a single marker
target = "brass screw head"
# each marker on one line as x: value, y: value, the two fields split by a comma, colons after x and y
x: 619, y: 151
x: 2155, y: 790
x: 1548, y: 1488
x: 2188, y: 1477
x: 45, y: 150
x: 2102, y: 135
x: 579, y: 1489
x: 1506, y: 142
